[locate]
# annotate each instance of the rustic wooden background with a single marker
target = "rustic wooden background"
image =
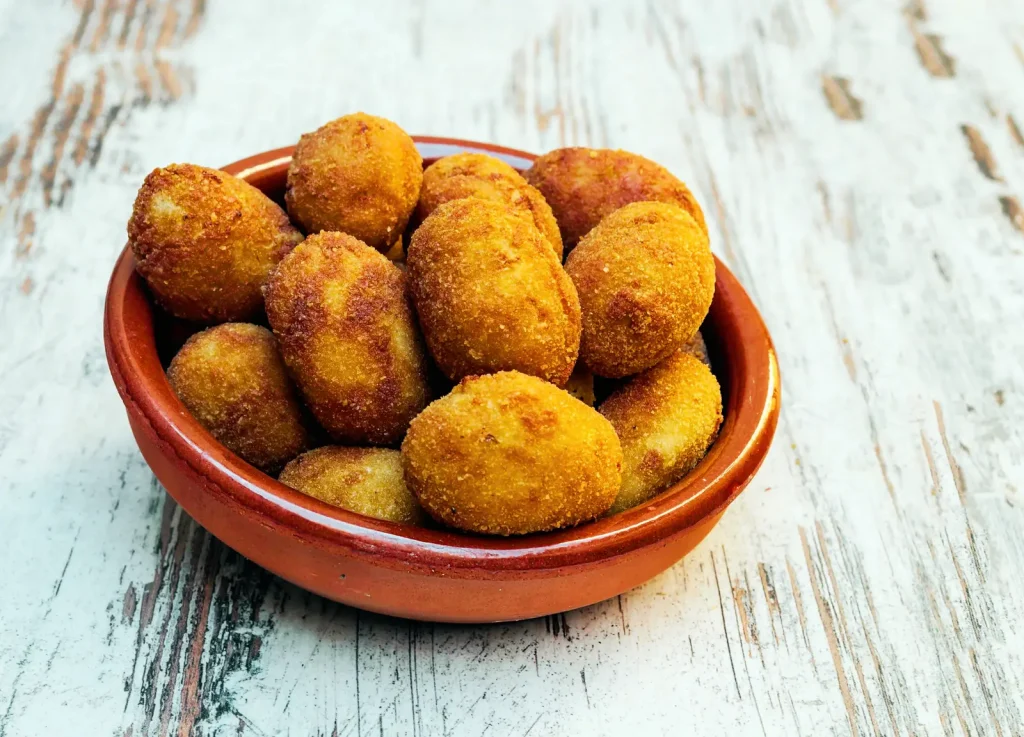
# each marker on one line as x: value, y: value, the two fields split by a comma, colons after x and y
x: 861, y: 163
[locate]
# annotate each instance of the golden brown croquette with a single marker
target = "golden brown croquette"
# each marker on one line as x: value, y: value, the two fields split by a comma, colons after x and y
x: 347, y: 334
x: 666, y: 419
x: 368, y: 481
x: 583, y: 185
x: 645, y: 278
x: 488, y: 178
x: 511, y: 454
x: 206, y: 242
x: 232, y: 380
x: 360, y: 175
x: 491, y: 295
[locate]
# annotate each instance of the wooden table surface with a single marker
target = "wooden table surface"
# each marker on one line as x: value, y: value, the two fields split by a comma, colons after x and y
x: 861, y: 163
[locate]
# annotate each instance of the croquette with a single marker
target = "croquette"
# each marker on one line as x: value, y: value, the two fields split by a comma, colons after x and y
x: 488, y: 178
x: 360, y: 175
x: 583, y: 185
x: 666, y: 419
x: 491, y: 295
x: 645, y: 278
x: 232, y: 380
x: 347, y: 334
x: 206, y: 242
x: 510, y: 454
x: 368, y: 481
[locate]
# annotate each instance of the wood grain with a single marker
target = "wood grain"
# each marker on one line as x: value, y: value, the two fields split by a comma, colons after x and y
x: 862, y: 168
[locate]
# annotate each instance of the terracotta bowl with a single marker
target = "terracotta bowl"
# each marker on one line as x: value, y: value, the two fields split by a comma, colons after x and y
x: 434, y: 574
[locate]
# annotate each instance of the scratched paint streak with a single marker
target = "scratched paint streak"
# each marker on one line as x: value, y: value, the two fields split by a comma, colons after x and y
x: 954, y: 467
x: 841, y: 99
x: 1013, y: 211
x: 885, y: 472
x: 933, y: 56
x: 844, y: 630
x: 772, y: 601
x: 829, y: 624
x: 801, y: 616
x: 936, y: 485
x: 981, y: 152
x: 81, y: 150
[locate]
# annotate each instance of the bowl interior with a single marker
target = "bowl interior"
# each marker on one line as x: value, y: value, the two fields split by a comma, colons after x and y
x: 145, y: 338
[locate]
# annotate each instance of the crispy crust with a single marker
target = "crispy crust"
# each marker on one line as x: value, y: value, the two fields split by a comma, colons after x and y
x: 368, y: 481
x: 491, y: 295
x: 360, y: 175
x: 510, y: 454
x: 583, y: 185
x: 347, y: 334
x: 645, y: 278
x: 206, y: 242
x: 666, y: 419
x: 488, y: 178
x: 232, y: 380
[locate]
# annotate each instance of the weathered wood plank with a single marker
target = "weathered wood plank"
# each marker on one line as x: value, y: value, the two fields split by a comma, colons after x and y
x: 861, y: 165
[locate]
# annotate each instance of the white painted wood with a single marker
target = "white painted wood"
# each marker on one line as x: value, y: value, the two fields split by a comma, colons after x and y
x: 869, y: 580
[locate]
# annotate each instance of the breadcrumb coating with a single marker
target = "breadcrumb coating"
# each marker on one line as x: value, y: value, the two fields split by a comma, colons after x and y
x: 232, y: 380
x: 491, y: 295
x: 583, y: 185
x: 666, y: 419
x: 348, y: 336
x: 487, y: 178
x: 645, y: 278
x: 368, y: 481
x: 206, y: 242
x: 360, y: 175
x: 510, y: 454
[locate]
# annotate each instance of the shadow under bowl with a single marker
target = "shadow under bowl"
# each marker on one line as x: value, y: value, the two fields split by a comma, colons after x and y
x: 431, y: 574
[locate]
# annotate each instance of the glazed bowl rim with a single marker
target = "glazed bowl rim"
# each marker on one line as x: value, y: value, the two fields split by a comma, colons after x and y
x: 751, y: 408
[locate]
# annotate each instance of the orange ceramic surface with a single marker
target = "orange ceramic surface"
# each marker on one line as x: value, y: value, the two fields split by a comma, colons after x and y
x: 433, y: 574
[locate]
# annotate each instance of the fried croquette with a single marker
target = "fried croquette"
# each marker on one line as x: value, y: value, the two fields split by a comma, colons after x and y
x: 666, y: 419
x: 488, y: 178
x: 583, y: 185
x: 368, y: 481
x: 206, y: 242
x: 232, y: 380
x: 645, y: 278
x: 360, y: 175
x: 510, y: 454
x: 491, y: 295
x: 347, y: 334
